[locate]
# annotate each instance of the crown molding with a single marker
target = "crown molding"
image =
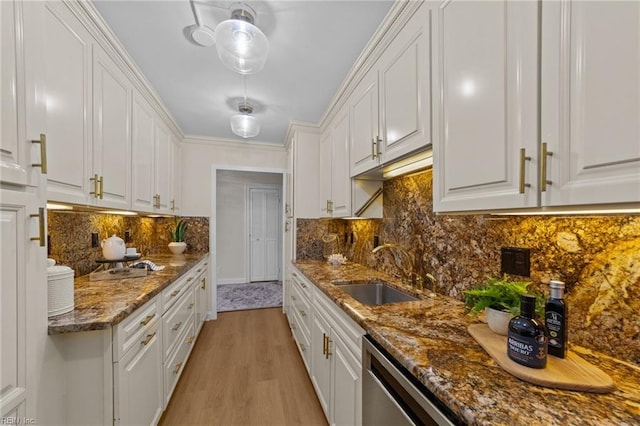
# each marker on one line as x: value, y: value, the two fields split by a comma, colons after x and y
x: 296, y: 126
x: 231, y: 143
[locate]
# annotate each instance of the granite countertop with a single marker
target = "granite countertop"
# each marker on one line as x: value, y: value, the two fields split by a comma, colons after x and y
x: 102, y: 304
x: 430, y: 339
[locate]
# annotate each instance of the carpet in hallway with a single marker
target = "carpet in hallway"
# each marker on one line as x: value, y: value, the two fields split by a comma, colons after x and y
x: 236, y: 297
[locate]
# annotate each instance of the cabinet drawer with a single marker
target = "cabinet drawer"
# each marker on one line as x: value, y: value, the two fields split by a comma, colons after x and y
x: 302, y: 340
x: 141, y: 320
x: 303, y: 286
x: 301, y: 308
x: 172, y: 294
x: 175, y: 364
x: 176, y: 320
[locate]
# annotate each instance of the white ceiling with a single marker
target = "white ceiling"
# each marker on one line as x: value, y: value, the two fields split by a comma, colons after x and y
x: 313, y: 45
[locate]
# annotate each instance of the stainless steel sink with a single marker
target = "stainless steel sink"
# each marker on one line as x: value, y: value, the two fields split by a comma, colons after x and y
x: 375, y: 293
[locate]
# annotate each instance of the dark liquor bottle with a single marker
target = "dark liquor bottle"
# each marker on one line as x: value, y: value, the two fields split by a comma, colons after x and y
x: 526, y: 338
x: 555, y: 320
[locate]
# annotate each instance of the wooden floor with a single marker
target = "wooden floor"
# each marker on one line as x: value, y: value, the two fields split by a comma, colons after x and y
x: 245, y: 370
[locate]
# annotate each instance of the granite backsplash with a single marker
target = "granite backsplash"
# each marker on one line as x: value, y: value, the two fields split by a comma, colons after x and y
x: 69, y: 235
x: 598, y: 257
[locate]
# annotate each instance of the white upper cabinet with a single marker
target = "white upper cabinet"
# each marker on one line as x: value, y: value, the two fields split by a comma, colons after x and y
x: 390, y: 109
x: 591, y: 101
x: 176, y: 176
x: 486, y: 114
x: 112, y: 93
x: 22, y: 94
x: 69, y: 102
x: 492, y: 148
x: 334, y: 181
x: 143, y: 119
x: 163, y: 168
x: 304, y: 169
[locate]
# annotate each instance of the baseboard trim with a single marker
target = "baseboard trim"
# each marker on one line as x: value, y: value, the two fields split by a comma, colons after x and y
x: 228, y: 281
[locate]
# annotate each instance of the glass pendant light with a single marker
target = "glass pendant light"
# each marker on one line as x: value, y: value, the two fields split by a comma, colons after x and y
x: 244, y: 124
x: 241, y: 46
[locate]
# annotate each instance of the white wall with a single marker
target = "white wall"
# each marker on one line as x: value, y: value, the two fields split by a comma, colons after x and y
x: 200, y: 154
x: 231, y: 221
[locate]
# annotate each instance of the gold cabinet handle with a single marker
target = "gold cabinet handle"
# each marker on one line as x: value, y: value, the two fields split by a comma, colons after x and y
x: 293, y: 326
x: 523, y: 159
x: 328, y: 347
x: 190, y: 306
x: 101, y: 182
x: 373, y: 148
x: 286, y: 226
x: 189, y: 279
x: 204, y: 284
x: 147, y: 320
x: 158, y: 200
x: 293, y: 297
x: 96, y: 186
x: 176, y: 369
x: 173, y: 204
x: 175, y: 293
x: 177, y: 326
x: 303, y: 285
x: 324, y: 344
x: 302, y: 347
x: 378, y: 143
x: 41, y: 231
x: 43, y: 153
x: 199, y: 270
x: 303, y: 313
x: 190, y: 340
x: 147, y: 339
x: 543, y: 167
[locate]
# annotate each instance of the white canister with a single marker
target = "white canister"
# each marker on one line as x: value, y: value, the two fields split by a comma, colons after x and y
x: 60, y: 288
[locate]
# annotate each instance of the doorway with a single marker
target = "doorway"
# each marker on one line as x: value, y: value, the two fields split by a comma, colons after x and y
x: 264, y: 233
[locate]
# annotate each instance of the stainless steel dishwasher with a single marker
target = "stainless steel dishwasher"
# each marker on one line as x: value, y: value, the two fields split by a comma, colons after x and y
x: 391, y: 397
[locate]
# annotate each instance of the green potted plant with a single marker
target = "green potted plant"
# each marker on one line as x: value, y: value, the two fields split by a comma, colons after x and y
x: 179, y: 228
x: 500, y: 299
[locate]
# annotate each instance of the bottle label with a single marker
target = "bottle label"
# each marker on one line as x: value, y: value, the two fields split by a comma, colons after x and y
x: 553, y: 322
x: 529, y: 351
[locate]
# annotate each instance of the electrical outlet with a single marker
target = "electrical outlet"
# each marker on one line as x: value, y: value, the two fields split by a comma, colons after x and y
x: 376, y: 241
x: 94, y: 239
x: 515, y: 260
x: 127, y: 236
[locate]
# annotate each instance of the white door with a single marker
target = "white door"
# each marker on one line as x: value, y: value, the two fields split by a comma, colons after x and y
x: 264, y: 233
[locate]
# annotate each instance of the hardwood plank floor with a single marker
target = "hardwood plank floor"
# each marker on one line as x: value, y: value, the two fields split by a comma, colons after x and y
x: 245, y: 370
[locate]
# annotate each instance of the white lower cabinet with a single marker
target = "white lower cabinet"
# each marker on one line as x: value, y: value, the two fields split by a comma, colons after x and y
x: 126, y: 375
x: 334, y: 352
x: 138, y: 380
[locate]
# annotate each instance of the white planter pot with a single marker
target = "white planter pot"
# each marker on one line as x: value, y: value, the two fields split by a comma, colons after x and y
x: 177, y: 248
x: 498, y: 321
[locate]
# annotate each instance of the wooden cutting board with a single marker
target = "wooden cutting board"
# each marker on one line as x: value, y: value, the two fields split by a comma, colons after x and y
x: 570, y: 373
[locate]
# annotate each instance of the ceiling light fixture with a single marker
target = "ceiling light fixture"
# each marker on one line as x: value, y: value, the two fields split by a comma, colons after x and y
x: 201, y: 34
x: 244, y: 124
x: 241, y: 46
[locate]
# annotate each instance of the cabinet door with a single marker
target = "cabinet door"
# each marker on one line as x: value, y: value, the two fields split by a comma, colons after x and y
x: 405, y: 112
x: 346, y: 377
x: 163, y: 167
x: 320, y: 364
x: 340, y: 179
x: 176, y: 176
x: 306, y: 182
x: 112, y: 93
x: 22, y: 280
x: 364, y: 124
x: 68, y: 86
x: 288, y: 207
x: 143, y: 125
x: 487, y: 111
x: 591, y: 101
x: 138, y: 381
x: 324, y: 179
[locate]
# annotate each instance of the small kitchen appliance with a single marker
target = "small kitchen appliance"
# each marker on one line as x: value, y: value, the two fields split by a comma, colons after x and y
x: 59, y: 288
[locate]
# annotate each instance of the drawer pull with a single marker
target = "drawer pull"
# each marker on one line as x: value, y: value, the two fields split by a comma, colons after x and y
x: 303, y: 285
x: 302, y: 348
x: 147, y: 320
x: 293, y: 297
x: 190, y: 340
x: 293, y: 326
x: 190, y: 306
x: 147, y: 339
x: 177, y: 326
x: 189, y: 279
x: 303, y: 313
x: 176, y: 369
x: 204, y: 284
x: 199, y: 270
x: 41, y: 231
x: 175, y: 293
x: 43, y: 153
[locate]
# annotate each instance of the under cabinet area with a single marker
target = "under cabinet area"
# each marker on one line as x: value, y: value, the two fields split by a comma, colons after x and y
x: 550, y: 123
x: 126, y: 374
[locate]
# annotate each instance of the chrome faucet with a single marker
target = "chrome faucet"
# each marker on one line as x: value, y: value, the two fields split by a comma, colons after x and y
x: 411, y: 275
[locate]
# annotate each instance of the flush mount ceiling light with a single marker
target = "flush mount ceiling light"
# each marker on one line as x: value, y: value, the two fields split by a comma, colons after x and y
x: 241, y: 46
x: 244, y: 124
